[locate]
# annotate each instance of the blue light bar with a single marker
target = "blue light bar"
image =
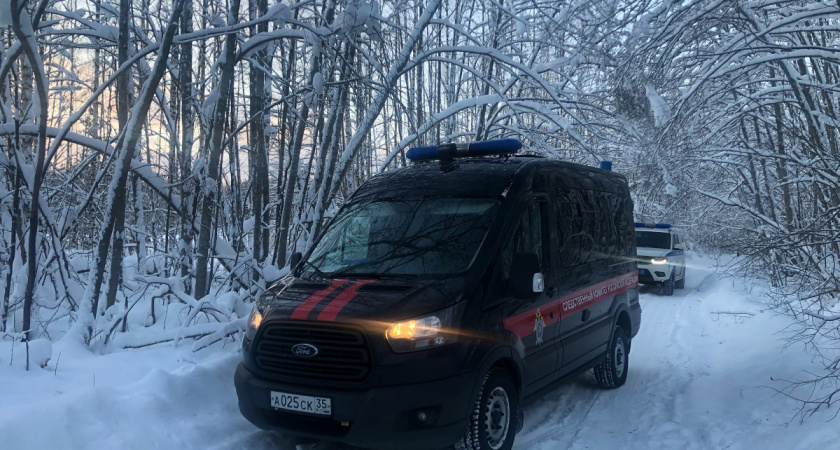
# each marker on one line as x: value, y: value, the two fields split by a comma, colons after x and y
x: 652, y: 225
x: 606, y: 165
x: 451, y: 151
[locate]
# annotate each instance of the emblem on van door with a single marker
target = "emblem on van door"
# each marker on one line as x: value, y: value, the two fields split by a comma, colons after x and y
x: 539, y: 326
x: 304, y: 350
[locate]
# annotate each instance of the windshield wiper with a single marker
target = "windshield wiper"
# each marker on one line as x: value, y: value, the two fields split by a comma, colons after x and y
x: 316, y: 269
x: 395, y: 276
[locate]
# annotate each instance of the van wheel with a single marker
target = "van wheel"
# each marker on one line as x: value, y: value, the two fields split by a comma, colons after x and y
x: 612, y: 371
x: 668, y: 285
x: 493, y: 420
x: 680, y: 284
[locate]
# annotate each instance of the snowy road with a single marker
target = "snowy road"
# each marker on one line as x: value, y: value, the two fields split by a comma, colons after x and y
x: 647, y: 412
x: 700, y: 378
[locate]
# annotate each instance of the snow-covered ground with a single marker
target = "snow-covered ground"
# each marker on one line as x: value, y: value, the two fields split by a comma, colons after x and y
x: 702, y: 373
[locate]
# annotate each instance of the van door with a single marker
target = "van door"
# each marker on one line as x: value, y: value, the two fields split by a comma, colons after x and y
x: 588, y: 277
x: 532, y: 320
x: 573, y: 249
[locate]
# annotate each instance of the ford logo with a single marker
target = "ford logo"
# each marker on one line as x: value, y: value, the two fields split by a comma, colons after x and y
x: 304, y: 350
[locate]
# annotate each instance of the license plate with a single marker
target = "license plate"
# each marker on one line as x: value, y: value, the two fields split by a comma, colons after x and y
x: 642, y: 271
x: 301, y: 403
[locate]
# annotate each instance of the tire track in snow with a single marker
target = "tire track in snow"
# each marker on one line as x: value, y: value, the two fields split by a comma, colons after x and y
x: 646, y: 411
x: 666, y: 368
x: 563, y: 408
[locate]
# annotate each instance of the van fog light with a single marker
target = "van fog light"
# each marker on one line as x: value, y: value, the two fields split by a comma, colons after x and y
x: 426, y: 417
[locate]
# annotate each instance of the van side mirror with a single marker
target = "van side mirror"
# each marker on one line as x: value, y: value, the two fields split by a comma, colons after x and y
x: 678, y: 247
x: 295, y: 260
x: 526, y: 281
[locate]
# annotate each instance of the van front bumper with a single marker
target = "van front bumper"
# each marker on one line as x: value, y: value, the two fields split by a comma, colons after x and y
x: 377, y: 418
x: 654, y: 273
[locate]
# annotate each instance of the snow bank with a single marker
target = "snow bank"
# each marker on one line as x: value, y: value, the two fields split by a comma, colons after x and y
x: 146, y: 399
x: 15, y: 354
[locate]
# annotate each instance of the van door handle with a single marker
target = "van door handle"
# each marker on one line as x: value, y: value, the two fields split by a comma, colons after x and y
x: 550, y: 291
x: 585, y: 316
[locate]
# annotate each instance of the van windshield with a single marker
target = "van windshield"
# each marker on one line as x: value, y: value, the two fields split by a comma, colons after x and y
x: 413, y: 237
x: 653, y: 239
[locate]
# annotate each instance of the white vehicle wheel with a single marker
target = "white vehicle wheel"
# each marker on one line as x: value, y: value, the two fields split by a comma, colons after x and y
x: 680, y: 284
x: 668, y: 285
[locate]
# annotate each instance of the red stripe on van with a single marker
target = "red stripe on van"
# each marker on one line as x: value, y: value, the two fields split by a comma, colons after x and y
x: 330, y: 312
x: 523, y: 324
x: 303, y: 310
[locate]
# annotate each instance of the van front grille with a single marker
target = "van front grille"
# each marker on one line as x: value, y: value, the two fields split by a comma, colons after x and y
x: 343, y: 353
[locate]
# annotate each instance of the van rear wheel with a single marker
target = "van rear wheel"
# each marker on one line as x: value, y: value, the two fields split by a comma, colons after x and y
x: 493, y: 421
x: 612, y: 371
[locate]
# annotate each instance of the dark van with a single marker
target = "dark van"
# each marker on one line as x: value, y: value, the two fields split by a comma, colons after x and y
x: 442, y: 296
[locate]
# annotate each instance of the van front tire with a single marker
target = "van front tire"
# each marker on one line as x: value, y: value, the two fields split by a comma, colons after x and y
x: 611, y: 373
x: 493, y: 421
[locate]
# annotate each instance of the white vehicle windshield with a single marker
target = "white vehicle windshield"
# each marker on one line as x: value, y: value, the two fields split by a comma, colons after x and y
x: 413, y: 237
x: 653, y: 239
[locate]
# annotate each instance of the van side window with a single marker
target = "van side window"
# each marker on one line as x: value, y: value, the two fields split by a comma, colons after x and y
x: 619, y: 219
x: 591, y: 226
x: 575, y: 225
x: 614, y: 226
x: 527, y: 237
x: 628, y: 230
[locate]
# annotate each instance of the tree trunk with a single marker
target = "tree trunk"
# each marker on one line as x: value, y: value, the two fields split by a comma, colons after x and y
x: 378, y: 102
x: 217, y: 132
x: 12, y: 246
x: 127, y: 148
x: 188, y: 188
x: 258, y: 142
x: 120, y: 200
x: 294, y: 162
x: 22, y: 27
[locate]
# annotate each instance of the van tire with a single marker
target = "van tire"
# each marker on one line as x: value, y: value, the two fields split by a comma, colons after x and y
x: 496, y: 400
x: 668, y: 285
x: 680, y: 284
x: 612, y: 371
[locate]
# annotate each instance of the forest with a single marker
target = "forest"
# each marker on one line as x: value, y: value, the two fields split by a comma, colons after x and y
x: 160, y: 161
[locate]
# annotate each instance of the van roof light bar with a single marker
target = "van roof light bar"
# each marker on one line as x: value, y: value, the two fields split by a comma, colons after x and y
x: 445, y: 152
x: 652, y: 225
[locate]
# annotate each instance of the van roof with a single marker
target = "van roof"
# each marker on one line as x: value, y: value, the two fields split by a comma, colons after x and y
x: 482, y: 177
x: 654, y: 230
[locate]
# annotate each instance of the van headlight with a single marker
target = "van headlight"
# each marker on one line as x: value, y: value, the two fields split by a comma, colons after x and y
x: 424, y: 332
x: 659, y: 261
x: 254, y: 321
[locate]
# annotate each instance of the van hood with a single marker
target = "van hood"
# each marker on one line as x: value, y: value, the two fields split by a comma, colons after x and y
x: 649, y: 252
x: 359, y: 300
